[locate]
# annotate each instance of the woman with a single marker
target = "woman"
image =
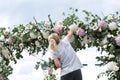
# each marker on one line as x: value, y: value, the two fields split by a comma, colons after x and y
x: 64, y: 57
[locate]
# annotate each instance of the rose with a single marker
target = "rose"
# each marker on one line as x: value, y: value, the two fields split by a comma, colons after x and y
x: 59, y: 23
x: 10, y: 40
x: 21, y: 45
x: 2, y: 38
x: 113, y: 26
x: 37, y: 44
x: 117, y: 40
x: 73, y: 27
x: 32, y: 35
x: 102, y: 24
x: 58, y: 29
x: 46, y: 24
x: 45, y: 34
x: 80, y: 32
x: 5, y: 53
x: 112, y: 66
x: 6, y: 32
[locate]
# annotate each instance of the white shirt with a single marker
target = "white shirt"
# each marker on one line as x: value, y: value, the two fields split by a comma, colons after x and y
x: 67, y: 56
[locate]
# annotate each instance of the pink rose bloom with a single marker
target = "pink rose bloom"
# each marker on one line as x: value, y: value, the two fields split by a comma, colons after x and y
x: 58, y: 29
x: 10, y: 40
x: 117, y: 39
x: 102, y: 24
x: 80, y: 32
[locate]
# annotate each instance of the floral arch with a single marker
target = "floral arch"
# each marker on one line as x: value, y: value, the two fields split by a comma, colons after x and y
x: 103, y: 33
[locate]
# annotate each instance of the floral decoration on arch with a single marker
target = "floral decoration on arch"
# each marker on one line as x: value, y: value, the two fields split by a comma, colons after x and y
x: 93, y: 31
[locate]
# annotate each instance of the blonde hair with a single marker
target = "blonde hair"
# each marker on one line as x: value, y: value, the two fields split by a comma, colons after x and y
x: 53, y: 40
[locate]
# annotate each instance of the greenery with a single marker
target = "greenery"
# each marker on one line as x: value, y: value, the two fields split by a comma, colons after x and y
x: 92, y: 31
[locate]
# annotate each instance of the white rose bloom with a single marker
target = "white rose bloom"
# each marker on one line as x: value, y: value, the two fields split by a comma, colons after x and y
x: 113, y: 26
x: 6, y: 32
x: 37, y: 44
x: 59, y: 22
x: 32, y: 35
x: 46, y: 24
x: 104, y: 46
x: 21, y: 45
x: 28, y: 26
x: 115, y: 68
x: 109, y: 17
x: 6, y: 53
x: 72, y: 38
x: 111, y: 56
x: 45, y: 34
x: 1, y: 59
x: 112, y: 66
x: 109, y: 35
x: 2, y: 38
x: 73, y: 27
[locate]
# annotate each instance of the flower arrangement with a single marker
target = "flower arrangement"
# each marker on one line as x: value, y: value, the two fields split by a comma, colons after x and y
x: 102, y: 33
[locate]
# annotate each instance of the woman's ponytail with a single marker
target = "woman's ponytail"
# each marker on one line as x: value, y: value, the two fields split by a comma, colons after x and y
x: 52, y: 44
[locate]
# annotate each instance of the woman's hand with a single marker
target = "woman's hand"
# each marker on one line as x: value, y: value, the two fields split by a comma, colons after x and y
x: 70, y: 33
x: 57, y: 63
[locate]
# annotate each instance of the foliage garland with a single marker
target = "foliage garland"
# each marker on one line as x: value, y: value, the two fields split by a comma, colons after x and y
x: 103, y: 33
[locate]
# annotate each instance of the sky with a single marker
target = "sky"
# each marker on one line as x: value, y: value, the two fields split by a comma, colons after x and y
x: 15, y: 12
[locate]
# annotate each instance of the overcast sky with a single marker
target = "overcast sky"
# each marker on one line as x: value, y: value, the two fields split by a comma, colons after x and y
x: 14, y: 12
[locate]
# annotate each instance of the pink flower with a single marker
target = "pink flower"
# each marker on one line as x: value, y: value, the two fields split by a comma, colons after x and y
x: 1, y: 44
x: 80, y: 32
x: 117, y: 39
x: 58, y: 29
x: 50, y: 71
x: 10, y: 40
x: 102, y: 24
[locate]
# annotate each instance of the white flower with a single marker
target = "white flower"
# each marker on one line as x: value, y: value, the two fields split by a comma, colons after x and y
x: 59, y: 23
x: 28, y: 26
x: 6, y: 53
x: 109, y: 17
x: 0, y: 69
x: 113, y: 26
x: 73, y: 27
x: 112, y: 66
x: 86, y: 40
x: 94, y: 28
x: 115, y: 68
x: 104, y: 40
x: 45, y: 34
x: 2, y: 38
x: 104, y: 46
x: 37, y: 44
x: 99, y: 29
x: 46, y: 24
x: 111, y: 56
x: 109, y: 35
x: 1, y: 59
x: 21, y: 45
x: 6, y: 32
x: 32, y: 35
x: 72, y: 38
